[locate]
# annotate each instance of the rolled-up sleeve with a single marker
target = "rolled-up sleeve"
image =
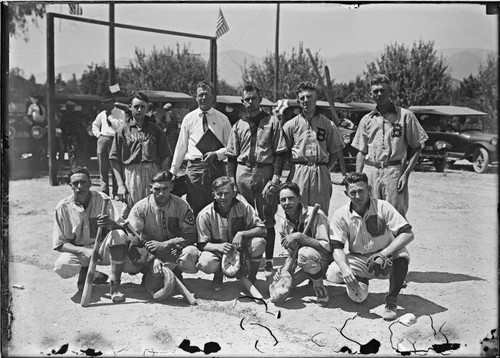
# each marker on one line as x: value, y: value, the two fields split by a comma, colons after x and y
x: 203, y: 227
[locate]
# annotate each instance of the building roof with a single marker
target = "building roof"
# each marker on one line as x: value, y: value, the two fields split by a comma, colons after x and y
x: 447, y: 110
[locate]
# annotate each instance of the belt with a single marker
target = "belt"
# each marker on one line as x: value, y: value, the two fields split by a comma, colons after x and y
x: 107, y: 135
x: 381, y: 165
x: 309, y: 163
x: 253, y: 165
x: 195, y: 160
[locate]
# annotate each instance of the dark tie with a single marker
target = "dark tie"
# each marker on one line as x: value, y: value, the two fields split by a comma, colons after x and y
x: 205, y: 122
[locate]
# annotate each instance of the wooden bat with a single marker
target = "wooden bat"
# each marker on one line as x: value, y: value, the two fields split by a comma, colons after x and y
x: 87, y: 289
x: 250, y: 287
x: 328, y: 90
x: 184, y: 291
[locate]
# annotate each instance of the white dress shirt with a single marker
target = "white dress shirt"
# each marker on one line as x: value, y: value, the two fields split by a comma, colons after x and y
x: 101, y: 126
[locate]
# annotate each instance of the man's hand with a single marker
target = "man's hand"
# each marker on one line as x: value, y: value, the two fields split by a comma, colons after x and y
x: 84, y: 255
x: 104, y: 221
x: 238, y: 241
x: 157, y: 268
x: 226, y: 248
x: 122, y: 191
x: 349, y: 278
x: 290, y: 241
x: 153, y: 246
x: 210, y: 157
x: 402, y: 182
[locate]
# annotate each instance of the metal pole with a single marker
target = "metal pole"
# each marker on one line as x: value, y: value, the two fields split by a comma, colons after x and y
x: 276, y: 53
x: 213, y: 65
x: 51, y: 113
x: 112, y: 69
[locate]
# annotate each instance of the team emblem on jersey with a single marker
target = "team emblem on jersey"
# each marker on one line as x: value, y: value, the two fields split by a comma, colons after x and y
x: 397, y: 130
x: 321, y: 134
x: 189, y: 218
x: 375, y: 225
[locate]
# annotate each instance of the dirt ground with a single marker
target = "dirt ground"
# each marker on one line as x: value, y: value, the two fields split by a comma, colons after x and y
x: 452, y: 290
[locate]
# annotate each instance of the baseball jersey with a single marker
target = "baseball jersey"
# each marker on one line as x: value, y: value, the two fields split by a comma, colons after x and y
x: 387, y: 139
x: 211, y: 227
x: 320, y: 228
x: 256, y: 139
x: 76, y: 225
x: 312, y: 141
x: 174, y: 220
x: 134, y: 145
x: 371, y: 233
x: 191, y: 132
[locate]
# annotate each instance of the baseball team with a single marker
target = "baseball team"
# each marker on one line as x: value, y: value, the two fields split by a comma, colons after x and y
x: 233, y: 187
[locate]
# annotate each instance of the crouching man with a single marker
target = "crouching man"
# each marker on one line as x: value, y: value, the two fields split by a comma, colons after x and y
x: 314, y: 254
x: 77, y: 218
x: 225, y: 225
x: 377, y: 235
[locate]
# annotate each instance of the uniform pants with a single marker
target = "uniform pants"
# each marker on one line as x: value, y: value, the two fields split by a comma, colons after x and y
x: 313, y: 262
x: 315, y: 184
x: 137, y: 180
x: 210, y: 262
x: 357, y: 262
x: 103, y: 147
x: 199, y: 178
x: 384, y: 183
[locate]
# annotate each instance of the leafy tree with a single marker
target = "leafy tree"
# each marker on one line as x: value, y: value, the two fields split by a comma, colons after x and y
x: 19, y: 14
x: 354, y: 91
x: 69, y: 87
x: 419, y: 76
x: 20, y: 89
x: 293, y: 69
x: 95, y: 80
x: 224, y: 88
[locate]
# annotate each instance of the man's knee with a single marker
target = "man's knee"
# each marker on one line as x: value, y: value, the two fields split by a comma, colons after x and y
x: 309, y: 260
x: 257, y: 247
x: 188, y: 259
x: 334, y: 274
x: 208, y: 262
x: 67, y: 265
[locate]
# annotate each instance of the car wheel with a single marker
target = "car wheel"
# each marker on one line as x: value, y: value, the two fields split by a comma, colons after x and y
x: 440, y: 164
x: 480, y: 160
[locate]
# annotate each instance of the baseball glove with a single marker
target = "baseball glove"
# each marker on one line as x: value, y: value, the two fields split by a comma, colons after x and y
x: 231, y: 263
x: 379, y: 264
x: 161, y: 288
x: 281, y: 286
x: 270, y: 194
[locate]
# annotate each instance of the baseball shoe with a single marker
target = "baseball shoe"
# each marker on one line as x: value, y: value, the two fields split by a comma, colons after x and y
x: 322, y: 295
x: 390, y: 312
x: 268, y: 269
x: 217, y: 281
x: 100, y: 278
x: 115, y: 290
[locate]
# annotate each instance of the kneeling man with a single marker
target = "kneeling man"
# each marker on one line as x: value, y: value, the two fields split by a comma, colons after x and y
x: 377, y: 235
x: 225, y: 225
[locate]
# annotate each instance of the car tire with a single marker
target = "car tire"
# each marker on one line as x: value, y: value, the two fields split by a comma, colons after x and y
x: 440, y: 164
x: 480, y: 160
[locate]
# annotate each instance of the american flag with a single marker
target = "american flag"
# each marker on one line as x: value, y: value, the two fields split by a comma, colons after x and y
x: 222, y: 27
x: 75, y: 9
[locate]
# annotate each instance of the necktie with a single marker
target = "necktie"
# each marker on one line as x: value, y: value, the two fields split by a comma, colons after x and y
x: 205, y: 122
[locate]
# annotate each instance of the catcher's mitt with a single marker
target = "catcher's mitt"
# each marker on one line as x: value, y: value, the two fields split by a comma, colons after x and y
x: 270, y: 194
x: 160, y: 288
x: 379, y: 264
x: 359, y: 294
x: 281, y: 286
x: 231, y: 263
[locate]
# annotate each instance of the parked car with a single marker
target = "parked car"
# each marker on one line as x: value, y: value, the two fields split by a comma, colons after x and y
x: 232, y: 107
x: 456, y: 133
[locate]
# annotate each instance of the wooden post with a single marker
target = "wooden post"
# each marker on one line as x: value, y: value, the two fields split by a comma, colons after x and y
x: 112, y: 69
x: 51, y: 104
x: 276, y: 53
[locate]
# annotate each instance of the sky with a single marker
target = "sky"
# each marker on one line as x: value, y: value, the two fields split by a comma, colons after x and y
x: 330, y: 29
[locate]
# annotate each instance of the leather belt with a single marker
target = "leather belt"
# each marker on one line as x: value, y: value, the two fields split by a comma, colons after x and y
x: 253, y: 165
x: 107, y: 135
x: 309, y: 163
x: 381, y: 165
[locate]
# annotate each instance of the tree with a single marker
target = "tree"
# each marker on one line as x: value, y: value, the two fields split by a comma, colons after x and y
x: 354, y: 91
x: 20, y: 89
x: 95, y: 80
x: 419, y: 76
x: 69, y: 87
x: 293, y: 69
x: 224, y: 88
x: 19, y: 13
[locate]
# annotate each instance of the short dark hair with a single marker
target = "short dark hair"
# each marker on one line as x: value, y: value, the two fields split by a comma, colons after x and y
x: 291, y: 186
x: 352, y: 178
x: 78, y: 170
x: 305, y: 86
x: 221, y: 181
x: 161, y: 177
x: 379, y: 78
x: 140, y: 96
x: 205, y: 84
x: 250, y: 87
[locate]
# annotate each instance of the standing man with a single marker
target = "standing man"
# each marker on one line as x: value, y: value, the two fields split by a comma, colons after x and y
x: 203, y: 167
x: 225, y: 225
x: 104, y: 127
x: 377, y: 236
x: 139, y: 151
x: 74, y: 135
x: 256, y: 153
x: 382, y: 138
x: 315, y: 143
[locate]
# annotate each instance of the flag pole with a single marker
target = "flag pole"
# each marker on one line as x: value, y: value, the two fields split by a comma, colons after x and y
x: 276, y: 53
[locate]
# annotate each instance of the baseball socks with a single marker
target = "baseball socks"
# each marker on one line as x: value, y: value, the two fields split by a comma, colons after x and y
x: 319, y: 288
x: 117, y: 260
x: 270, y: 238
x: 254, y: 268
x: 100, y: 278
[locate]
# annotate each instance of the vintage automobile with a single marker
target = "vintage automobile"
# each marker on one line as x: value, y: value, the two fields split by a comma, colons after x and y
x: 231, y: 106
x: 456, y: 133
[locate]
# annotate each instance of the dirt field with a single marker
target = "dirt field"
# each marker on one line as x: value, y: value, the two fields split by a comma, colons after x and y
x: 452, y: 284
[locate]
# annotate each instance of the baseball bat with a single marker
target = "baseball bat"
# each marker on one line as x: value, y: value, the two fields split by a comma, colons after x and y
x: 184, y: 291
x: 250, y: 287
x: 89, y: 279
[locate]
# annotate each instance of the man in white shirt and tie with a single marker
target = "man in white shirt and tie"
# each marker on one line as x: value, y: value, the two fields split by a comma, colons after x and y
x: 202, y: 168
x: 104, y: 127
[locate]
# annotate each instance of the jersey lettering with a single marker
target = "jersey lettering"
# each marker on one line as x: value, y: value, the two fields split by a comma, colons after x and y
x: 189, y: 218
x: 321, y: 134
x: 397, y: 130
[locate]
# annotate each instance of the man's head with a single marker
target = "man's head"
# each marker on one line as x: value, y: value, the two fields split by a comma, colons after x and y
x: 223, y: 191
x: 290, y: 198
x: 161, y: 186
x: 70, y: 106
x: 80, y: 183
x: 357, y: 190
x: 251, y: 99
x: 380, y: 89
x: 139, y: 105
x: 204, y: 95
x: 108, y: 102
x: 307, y: 96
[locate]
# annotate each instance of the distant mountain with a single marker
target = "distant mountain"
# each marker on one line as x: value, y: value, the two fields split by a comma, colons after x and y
x: 343, y: 68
